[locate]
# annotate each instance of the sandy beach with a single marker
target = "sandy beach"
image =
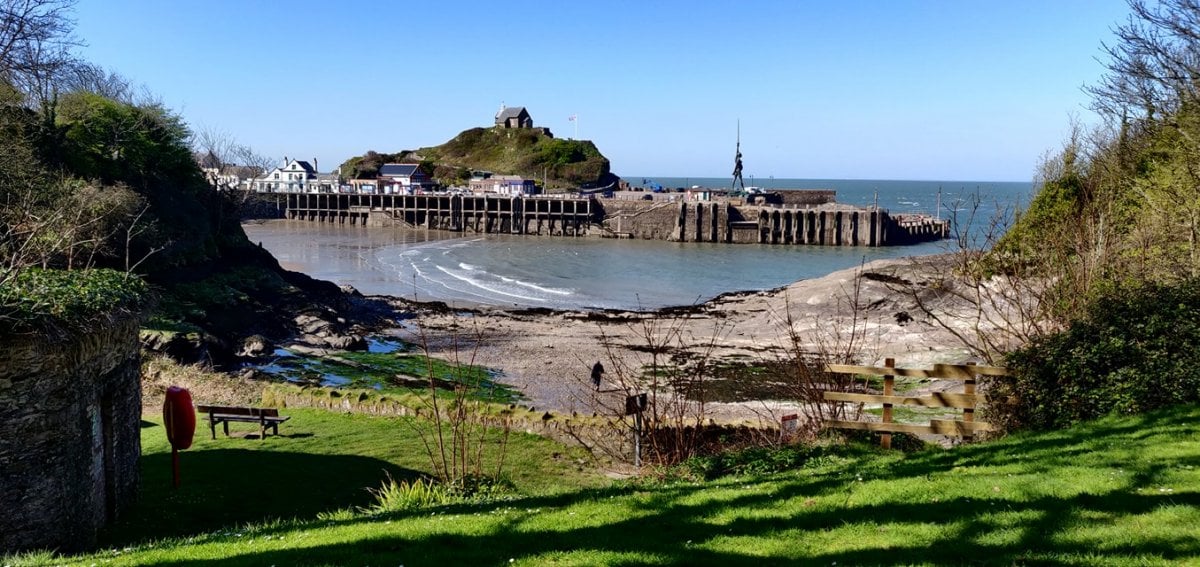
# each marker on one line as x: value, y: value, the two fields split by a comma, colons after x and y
x: 549, y: 354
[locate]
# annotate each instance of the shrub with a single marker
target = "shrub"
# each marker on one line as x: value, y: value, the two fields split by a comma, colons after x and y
x: 399, y: 496
x: 1132, y: 352
x: 38, y: 299
x: 758, y: 460
x: 903, y: 442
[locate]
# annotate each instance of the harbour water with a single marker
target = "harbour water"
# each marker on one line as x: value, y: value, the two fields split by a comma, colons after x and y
x: 587, y: 273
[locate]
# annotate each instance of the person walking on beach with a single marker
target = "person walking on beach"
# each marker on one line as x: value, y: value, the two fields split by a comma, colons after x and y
x: 597, y: 370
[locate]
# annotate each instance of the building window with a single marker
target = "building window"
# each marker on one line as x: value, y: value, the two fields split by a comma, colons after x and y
x: 276, y: 176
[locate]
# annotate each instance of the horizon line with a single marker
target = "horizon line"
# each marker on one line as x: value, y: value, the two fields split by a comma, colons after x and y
x: 776, y: 178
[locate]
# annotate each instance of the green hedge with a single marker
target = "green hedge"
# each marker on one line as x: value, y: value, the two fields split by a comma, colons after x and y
x: 40, y: 299
x: 1134, y: 351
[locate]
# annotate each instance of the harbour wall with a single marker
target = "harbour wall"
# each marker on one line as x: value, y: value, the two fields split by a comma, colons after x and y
x: 723, y: 221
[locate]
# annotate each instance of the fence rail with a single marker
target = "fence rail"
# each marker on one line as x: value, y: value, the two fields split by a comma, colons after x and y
x: 967, y: 401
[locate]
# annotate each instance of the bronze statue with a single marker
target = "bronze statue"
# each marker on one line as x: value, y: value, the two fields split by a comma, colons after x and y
x: 737, y: 163
x: 737, y: 171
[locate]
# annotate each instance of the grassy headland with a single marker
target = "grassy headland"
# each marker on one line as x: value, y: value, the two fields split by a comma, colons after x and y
x: 526, y: 152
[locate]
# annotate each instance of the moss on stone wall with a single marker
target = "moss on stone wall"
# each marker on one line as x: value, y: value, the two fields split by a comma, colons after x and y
x: 45, y: 300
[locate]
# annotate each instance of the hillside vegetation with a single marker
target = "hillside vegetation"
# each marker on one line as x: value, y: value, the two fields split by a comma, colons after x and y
x: 1119, y: 204
x: 529, y: 153
x: 1107, y: 257
x: 98, y: 187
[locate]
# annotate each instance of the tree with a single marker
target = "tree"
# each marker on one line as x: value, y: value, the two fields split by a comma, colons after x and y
x: 114, y: 141
x: 226, y: 162
x: 89, y: 78
x: 1151, y: 95
x: 1153, y: 69
x: 35, y: 45
x: 49, y: 219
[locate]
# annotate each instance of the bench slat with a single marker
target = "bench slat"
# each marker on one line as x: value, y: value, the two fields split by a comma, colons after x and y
x: 230, y: 410
x: 265, y: 417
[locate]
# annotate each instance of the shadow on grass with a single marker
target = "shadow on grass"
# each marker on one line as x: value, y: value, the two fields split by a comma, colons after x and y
x: 1042, y: 452
x: 227, y: 488
x: 678, y: 534
x: 677, y: 525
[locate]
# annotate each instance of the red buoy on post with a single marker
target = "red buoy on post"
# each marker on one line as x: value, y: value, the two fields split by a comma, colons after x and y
x: 179, y: 419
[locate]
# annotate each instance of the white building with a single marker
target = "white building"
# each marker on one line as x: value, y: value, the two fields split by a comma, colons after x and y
x: 295, y: 176
x: 403, y: 179
x: 510, y: 185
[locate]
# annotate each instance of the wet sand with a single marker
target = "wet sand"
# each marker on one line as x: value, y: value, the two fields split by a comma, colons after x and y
x: 549, y: 354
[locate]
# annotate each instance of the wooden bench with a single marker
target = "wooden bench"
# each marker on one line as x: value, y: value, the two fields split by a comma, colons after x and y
x: 265, y: 417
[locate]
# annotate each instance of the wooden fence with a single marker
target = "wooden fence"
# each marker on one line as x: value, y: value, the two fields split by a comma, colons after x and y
x: 967, y: 400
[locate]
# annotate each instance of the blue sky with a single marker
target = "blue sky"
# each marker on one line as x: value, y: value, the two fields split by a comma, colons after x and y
x: 938, y: 90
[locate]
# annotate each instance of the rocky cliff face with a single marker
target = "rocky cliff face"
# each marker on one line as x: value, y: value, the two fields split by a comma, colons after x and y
x: 71, y: 411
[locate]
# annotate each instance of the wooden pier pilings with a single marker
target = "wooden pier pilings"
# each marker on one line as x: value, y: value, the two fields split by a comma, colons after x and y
x: 468, y: 213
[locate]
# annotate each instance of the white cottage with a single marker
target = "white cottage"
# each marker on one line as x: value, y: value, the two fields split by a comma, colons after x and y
x: 295, y: 176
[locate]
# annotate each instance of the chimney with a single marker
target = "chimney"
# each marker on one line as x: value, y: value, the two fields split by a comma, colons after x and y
x: 315, y: 168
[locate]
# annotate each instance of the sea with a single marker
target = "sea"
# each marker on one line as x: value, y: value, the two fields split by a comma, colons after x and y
x: 569, y: 273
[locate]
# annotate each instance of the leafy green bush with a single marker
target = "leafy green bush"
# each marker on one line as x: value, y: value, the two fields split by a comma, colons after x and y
x: 40, y: 299
x: 555, y: 151
x: 1133, y: 352
x: 400, y: 496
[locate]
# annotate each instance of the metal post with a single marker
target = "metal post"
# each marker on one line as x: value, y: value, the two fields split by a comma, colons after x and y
x: 637, y: 439
x: 174, y: 468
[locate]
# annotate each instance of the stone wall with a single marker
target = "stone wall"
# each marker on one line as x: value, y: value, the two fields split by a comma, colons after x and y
x: 608, y: 434
x: 647, y: 220
x: 71, y: 413
x: 806, y: 197
x: 727, y: 222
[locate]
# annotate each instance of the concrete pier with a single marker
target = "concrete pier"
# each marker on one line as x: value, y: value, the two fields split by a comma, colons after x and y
x: 722, y: 221
x: 823, y: 226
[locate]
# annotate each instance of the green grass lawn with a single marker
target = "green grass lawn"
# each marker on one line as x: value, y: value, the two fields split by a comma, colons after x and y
x: 321, y: 462
x: 1121, y: 491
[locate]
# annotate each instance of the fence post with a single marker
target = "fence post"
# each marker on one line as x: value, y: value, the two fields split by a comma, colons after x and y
x: 889, y: 387
x: 969, y: 413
